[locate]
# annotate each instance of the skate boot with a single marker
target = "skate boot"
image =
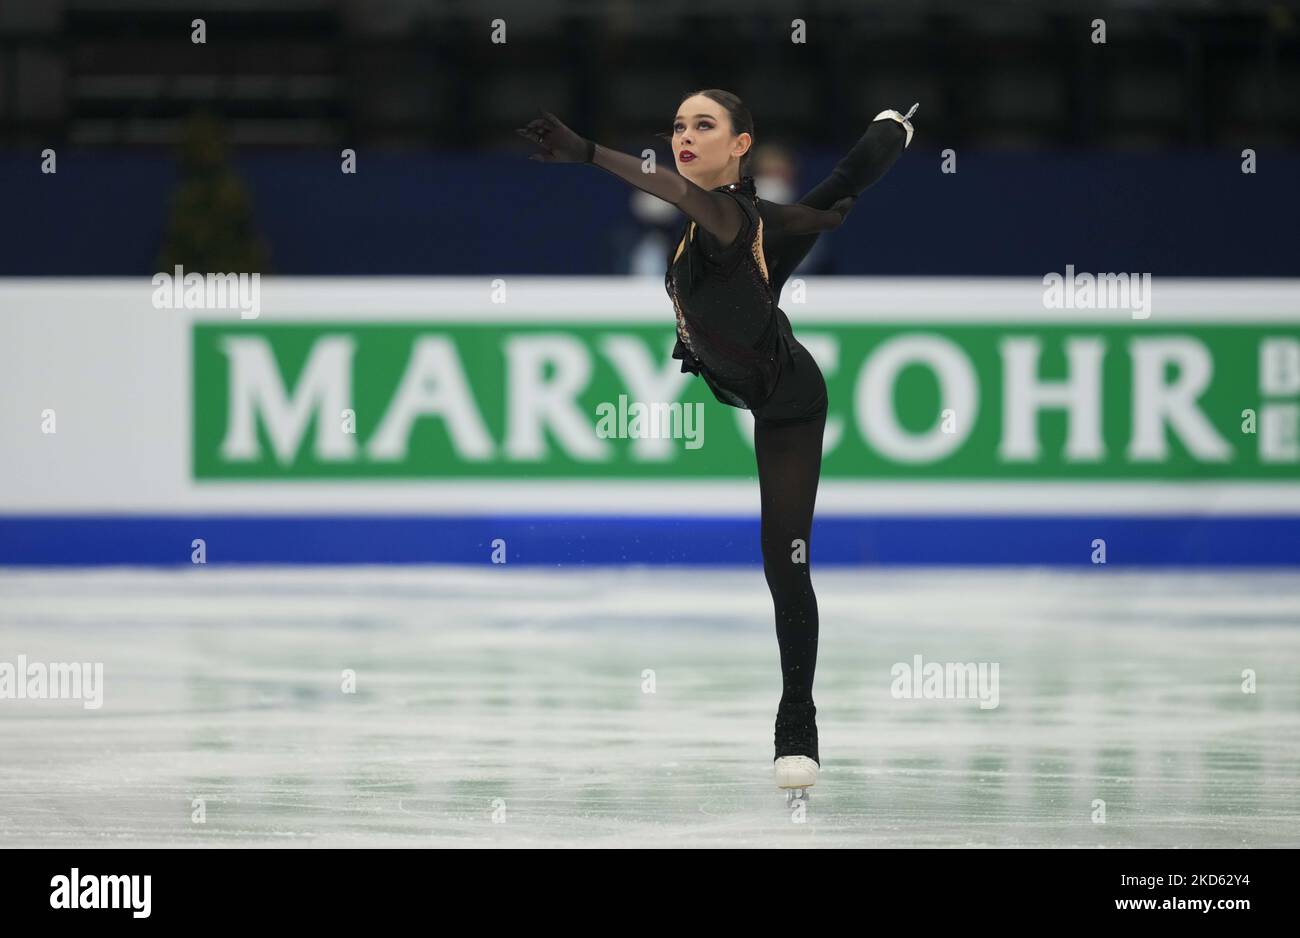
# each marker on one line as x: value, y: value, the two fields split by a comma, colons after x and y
x: 797, y: 760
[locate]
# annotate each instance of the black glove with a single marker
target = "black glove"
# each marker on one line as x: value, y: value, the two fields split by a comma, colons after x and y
x: 843, y: 206
x: 904, y: 119
x: 558, y: 143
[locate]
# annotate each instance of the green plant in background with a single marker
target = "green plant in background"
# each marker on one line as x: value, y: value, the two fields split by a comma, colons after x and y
x: 210, y: 228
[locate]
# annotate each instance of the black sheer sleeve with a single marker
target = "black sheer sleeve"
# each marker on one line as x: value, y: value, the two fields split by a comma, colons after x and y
x: 799, y: 219
x: 715, y: 212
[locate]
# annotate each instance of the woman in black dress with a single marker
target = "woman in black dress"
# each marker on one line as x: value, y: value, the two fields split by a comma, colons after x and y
x: 724, y: 278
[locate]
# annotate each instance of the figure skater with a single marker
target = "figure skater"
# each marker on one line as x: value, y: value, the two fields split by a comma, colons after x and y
x: 724, y: 278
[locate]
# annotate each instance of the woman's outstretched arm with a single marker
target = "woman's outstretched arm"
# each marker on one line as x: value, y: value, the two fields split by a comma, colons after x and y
x: 871, y: 157
x: 715, y: 212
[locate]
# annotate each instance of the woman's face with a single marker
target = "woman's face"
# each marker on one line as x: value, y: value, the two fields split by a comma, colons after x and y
x: 703, y: 144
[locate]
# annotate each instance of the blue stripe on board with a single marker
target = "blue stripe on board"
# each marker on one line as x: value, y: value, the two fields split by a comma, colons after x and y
x: 603, y: 540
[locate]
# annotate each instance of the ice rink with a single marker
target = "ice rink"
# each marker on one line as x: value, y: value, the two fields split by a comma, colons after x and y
x: 501, y: 706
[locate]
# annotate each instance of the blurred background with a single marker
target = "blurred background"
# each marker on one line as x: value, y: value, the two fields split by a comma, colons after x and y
x: 1122, y: 140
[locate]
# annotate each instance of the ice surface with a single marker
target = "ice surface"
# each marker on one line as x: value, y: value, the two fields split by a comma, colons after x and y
x: 507, y: 706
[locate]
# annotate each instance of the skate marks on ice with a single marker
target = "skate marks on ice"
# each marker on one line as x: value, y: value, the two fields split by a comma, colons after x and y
x: 514, y: 707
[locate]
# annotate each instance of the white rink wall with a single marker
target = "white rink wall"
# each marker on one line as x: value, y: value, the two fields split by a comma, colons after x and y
x: 104, y: 423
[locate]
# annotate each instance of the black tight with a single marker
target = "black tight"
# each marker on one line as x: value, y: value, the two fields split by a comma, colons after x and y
x: 789, y: 465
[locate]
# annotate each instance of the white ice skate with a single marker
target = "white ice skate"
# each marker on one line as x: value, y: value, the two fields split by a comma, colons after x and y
x: 795, y: 774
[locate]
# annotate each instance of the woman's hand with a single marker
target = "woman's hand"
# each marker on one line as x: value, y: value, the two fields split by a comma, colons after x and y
x: 558, y: 143
x: 841, y: 208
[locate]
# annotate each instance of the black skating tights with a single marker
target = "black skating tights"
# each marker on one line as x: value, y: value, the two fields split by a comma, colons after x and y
x: 789, y: 466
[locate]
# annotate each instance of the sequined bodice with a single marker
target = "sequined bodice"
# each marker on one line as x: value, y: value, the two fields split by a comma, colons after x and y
x: 728, y: 326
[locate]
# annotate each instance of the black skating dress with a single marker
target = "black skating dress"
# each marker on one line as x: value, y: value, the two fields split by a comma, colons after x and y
x: 730, y: 330
x: 727, y: 270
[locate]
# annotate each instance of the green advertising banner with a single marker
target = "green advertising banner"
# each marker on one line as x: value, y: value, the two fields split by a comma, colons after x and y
x: 342, y: 399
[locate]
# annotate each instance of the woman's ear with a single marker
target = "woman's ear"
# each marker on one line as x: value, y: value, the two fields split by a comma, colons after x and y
x: 748, y: 139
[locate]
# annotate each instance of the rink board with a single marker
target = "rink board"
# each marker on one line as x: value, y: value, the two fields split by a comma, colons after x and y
x: 458, y: 421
